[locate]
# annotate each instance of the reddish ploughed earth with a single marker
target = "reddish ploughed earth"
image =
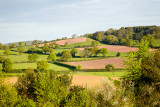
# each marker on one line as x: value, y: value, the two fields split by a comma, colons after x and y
x: 70, y: 41
x: 86, y: 81
x: 117, y: 48
x: 99, y: 64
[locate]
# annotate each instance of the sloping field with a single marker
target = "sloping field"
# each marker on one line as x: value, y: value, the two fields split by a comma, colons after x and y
x: 99, y: 64
x: 116, y: 48
x: 70, y: 41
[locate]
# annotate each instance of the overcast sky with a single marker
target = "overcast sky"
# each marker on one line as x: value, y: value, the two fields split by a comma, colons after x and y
x: 22, y: 20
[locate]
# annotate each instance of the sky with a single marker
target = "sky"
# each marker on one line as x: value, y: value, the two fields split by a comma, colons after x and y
x: 22, y: 20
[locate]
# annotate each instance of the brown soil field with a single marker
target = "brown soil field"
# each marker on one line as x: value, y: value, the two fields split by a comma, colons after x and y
x: 118, y: 48
x: 99, y: 64
x: 70, y: 41
x: 86, y: 81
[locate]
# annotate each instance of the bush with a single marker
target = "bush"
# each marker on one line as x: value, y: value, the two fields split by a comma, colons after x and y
x: 2, y: 59
x: 109, y: 67
x: 118, y: 54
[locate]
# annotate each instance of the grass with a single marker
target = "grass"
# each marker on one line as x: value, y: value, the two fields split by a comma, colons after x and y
x: 108, y: 74
x: 34, y: 65
x: 157, y: 42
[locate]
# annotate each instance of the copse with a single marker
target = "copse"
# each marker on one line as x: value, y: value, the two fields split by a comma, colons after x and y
x: 66, y: 55
x: 74, y: 51
x: 95, y: 43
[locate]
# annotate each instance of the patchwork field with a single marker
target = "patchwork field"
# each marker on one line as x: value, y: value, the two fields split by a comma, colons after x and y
x: 70, y: 41
x: 99, y: 64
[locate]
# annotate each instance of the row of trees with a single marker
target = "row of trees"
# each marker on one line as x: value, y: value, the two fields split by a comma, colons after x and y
x: 129, y: 36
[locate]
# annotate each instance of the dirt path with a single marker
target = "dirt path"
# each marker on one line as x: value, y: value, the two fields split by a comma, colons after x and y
x: 86, y: 81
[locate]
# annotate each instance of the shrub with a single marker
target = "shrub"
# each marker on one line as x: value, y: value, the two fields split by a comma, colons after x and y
x: 118, y: 54
x: 7, y: 65
x: 109, y: 67
x: 2, y: 59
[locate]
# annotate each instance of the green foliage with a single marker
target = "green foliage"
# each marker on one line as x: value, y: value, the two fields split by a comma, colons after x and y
x: 2, y: 59
x: 143, y: 49
x: 118, y: 54
x: 111, y: 39
x: 7, y: 65
x: 74, y: 51
x: 33, y: 57
x: 42, y: 66
x: 20, y: 50
x: 1, y: 46
x: 52, y: 57
x: 57, y: 46
x: 66, y: 55
x: 98, y: 36
x: 8, y: 95
x: 129, y: 42
x: 66, y: 44
x: 109, y: 67
x: 13, y: 45
x: 78, y: 67
x: 103, y: 51
x: 86, y: 53
x: 7, y: 52
x: 20, y: 44
x: 95, y: 51
x: 45, y: 48
x: 95, y: 43
x: 50, y: 50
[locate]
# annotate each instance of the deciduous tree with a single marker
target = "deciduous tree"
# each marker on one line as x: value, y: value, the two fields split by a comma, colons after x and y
x: 52, y: 57
x: 7, y: 65
x: 66, y: 55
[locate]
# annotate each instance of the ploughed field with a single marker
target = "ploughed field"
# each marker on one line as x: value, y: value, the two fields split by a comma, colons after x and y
x: 99, y: 64
x: 118, y: 48
x: 70, y: 41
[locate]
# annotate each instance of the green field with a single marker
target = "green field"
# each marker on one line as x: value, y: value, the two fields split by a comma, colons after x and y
x: 157, y: 42
x: 108, y: 74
